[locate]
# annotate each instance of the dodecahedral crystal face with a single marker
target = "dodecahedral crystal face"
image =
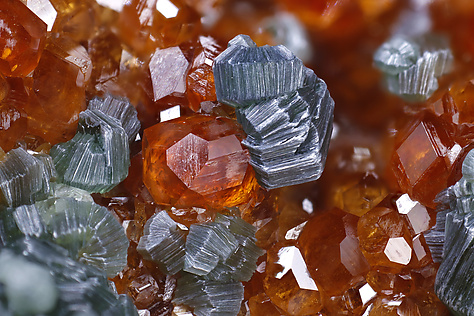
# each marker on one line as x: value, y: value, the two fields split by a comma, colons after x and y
x: 284, y: 108
x: 191, y: 161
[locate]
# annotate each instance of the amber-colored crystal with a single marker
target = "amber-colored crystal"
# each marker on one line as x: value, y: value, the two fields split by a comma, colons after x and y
x: 197, y: 161
x: 360, y: 196
x: 262, y: 305
x: 13, y: 121
x: 22, y: 39
x: 387, y: 243
x: 58, y: 91
x: 331, y: 249
x: 288, y: 282
x: 200, y: 79
x: 426, y: 151
x: 147, y: 24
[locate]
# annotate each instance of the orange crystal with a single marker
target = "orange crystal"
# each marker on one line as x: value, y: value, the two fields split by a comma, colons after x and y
x: 197, y: 161
x: 426, y: 151
x: 58, y: 91
x: 331, y: 249
x: 22, y: 38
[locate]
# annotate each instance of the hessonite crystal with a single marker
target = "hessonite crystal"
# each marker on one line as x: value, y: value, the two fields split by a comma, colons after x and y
x: 22, y: 38
x: 197, y: 161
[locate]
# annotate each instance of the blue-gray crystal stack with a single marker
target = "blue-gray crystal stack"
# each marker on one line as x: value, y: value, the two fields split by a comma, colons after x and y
x: 456, y: 272
x: 411, y: 66
x: 98, y: 157
x: 214, y: 258
x: 57, y: 247
x: 284, y: 108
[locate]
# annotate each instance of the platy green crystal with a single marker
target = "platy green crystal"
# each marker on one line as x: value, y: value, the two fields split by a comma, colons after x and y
x: 80, y: 289
x: 97, y: 158
x: 209, y: 298
x: 412, y: 66
x: 88, y: 231
x: 24, y: 178
x: 163, y: 243
x: 206, y: 245
x: 288, y: 136
x: 121, y: 109
x: 456, y: 274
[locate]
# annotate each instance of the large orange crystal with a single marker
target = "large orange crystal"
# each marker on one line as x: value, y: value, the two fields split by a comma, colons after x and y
x: 426, y: 151
x: 197, y: 161
x: 331, y: 249
x: 58, y: 91
x: 22, y: 38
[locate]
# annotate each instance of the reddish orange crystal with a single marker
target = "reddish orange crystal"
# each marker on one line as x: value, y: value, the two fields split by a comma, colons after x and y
x: 22, y: 39
x: 197, y: 161
x: 331, y: 249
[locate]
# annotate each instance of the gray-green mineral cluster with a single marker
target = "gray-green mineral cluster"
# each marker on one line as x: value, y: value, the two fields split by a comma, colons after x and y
x: 284, y: 108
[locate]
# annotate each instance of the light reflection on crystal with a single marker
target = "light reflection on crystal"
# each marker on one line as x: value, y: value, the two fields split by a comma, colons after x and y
x: 398, y: 250
x: 167, y: 8
x: 44, y: 10
x: 290, y: 259
x: 416, y: 213
x: 170, y: 114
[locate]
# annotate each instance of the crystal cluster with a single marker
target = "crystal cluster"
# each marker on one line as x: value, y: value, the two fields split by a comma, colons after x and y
x: 97, y: 158
x: 38, y: 278
x: 144, y: 225
x: 412, y: 66
x: 284, y: 108
x: 215, y: 257
x: 455, y: 275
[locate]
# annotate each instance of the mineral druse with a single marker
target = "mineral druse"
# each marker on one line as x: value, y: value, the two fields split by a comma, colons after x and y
x: 284, y: 108
x: 412, y: 66
x: 366, y: 239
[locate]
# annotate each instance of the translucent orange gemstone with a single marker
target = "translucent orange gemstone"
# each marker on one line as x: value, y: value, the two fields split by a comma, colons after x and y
x: 426, y: 151
x: 22, y: 38
x: 331, y: 249
x: 197, y: 161
x: 385, y: 239
x: 58, y: 91
x: 200, y: 80
x: 360, y: 196
x: 288, y: 282
x: 13, y: 121
x: 262, y: 305
x: 147, y: 24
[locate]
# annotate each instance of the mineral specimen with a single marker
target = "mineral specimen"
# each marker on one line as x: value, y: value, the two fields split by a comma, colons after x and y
x: 24, y: 178
x: 412, y: 66
x: 97, y: 158
x: 289, y: 127
x: 163, y: 242
x: 245, y: 73
x: 455, y: 275
x: 121, y: 109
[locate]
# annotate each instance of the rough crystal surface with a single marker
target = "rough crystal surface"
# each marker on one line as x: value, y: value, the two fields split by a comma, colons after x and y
x: 88, y: 231
x: 246, y: 73
x: 97, y: 158
x: 23, y: 178
x: 163, y: 242
x: 288, y: 136
x: 209, y: 298
x: 412, y: 66
x: 121, y: 109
